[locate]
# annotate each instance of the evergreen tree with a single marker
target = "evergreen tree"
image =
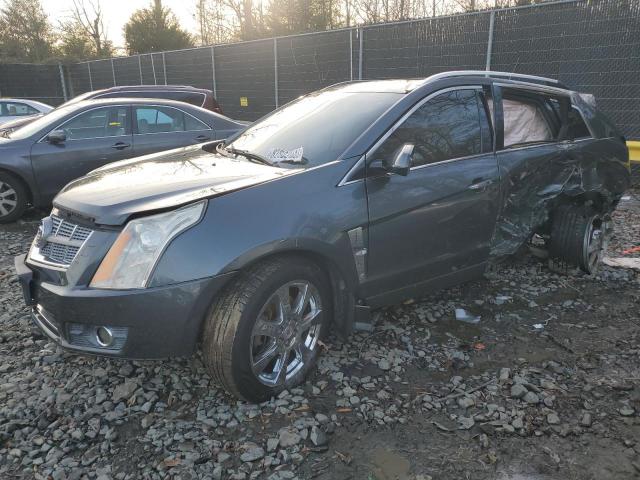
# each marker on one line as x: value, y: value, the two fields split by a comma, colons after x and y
x: 155, y: 29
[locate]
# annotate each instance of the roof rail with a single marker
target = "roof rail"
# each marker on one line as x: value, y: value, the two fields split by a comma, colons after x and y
x: 550, y: 82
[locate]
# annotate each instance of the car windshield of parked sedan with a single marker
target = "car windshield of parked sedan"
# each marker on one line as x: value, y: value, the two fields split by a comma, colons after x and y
x: 315, y: 129
x: 50, y: 120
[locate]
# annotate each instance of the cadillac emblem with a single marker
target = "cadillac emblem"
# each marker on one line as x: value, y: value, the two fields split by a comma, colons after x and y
x: 44, y: 231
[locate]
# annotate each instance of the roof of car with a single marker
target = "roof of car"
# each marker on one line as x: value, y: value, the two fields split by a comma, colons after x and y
x: 137, y: 101
x: 408, y: 85
x: 151, y: 87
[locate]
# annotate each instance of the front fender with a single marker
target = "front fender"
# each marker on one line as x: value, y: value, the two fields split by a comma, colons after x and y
x: 304, y: 213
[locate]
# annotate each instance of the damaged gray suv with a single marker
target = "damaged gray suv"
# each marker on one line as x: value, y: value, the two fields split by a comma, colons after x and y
x: 347, y: 199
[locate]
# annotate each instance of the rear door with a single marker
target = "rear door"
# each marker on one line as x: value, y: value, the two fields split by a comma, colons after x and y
x: 533, y: 163
x: 439, y: 219
x: 158, y: 128
x: 94, y: 138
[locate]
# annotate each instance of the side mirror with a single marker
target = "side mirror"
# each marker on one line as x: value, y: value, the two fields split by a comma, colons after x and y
x: 402, y: 161
x: 57, y: 136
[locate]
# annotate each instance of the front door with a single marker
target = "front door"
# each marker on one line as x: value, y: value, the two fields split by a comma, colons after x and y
x: 162, y: 128
x: 439, y: 219
x: 93, y: 138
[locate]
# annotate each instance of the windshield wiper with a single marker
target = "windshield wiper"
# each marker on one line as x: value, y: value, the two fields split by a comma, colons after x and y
x: 244, y: 153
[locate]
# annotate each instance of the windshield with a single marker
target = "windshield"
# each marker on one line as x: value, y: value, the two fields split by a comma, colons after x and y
x: 50, y: 120
x: 315, y: 129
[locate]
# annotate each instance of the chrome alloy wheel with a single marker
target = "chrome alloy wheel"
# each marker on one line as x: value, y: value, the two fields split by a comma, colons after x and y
x: 8, y: 199
x: 595, y: 243
x: 286, y: 332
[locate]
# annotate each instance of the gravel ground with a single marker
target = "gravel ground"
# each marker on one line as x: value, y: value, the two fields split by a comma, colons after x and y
x: 545, y: 386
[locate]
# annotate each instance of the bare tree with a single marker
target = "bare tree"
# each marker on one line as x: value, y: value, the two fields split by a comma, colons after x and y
x: 87, y: 15
x: 217, y: 23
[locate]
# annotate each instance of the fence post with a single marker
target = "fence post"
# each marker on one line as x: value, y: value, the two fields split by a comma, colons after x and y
x: 90, y: 79
x: 164, y: 67
x: 351, y: 54
x: 213, y: 71
x: 62, y: 82
x: 492, y: 21
x: 140, y: 68
x: 113, y: 72
x: 153, y: 67
x: 361, y: 35
x: 275, y: 68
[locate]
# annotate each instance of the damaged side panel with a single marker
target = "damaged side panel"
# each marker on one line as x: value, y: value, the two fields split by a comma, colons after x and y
x: 535, y: 180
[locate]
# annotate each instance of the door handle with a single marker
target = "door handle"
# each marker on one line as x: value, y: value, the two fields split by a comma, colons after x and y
x: 120, y: 145
x: 202, y: 138
x: 480, y: 185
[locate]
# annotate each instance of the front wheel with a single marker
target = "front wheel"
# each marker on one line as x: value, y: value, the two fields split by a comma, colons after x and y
x: 262, y: 335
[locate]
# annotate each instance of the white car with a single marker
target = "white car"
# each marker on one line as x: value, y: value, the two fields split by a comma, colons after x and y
x: 14, y: 108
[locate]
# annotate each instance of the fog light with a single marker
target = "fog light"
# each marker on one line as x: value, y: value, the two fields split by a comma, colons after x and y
x: 104, y: 337
x: 97, y: 337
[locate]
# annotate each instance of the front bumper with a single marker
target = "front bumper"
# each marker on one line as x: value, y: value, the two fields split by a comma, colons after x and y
x: 156, y: 322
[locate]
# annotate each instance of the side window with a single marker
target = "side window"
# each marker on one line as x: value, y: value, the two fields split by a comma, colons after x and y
x: 196, y: 99
x: 17, y: 109
x: 97, y: 123
x: 159, y: 120
x: 576, y: 126
x: 444, y: 128
x: 192, y: 124
x: 524, y: 122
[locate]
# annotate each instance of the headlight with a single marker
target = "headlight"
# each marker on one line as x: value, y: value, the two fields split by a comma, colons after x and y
x: 131, y: 258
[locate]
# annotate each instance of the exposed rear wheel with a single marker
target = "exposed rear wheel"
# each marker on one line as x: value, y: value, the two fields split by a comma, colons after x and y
x: 579, y: 238
x: 261, y: 335
x: 13, y: 198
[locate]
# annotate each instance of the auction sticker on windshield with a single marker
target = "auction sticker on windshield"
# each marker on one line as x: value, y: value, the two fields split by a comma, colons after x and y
x: 277, y: 155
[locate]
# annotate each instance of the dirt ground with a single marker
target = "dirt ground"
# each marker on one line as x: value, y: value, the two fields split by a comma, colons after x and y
x: 545, y: 386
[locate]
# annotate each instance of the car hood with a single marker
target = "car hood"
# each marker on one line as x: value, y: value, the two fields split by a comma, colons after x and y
x: 7, y: 143
x: 19, y: 122
x: 110, y: 195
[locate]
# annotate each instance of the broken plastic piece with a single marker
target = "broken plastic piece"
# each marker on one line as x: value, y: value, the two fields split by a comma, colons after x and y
x: 632, y: 263
x: 463, y: 316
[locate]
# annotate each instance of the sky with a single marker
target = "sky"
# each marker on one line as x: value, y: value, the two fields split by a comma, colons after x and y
x: 117, y: 12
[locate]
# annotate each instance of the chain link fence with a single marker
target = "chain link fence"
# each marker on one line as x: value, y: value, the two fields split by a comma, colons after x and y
x: 591, y: 45
x: 45, y: 83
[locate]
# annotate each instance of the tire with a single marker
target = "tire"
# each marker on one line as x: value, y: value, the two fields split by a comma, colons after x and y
x: 579, y: 237
x: 258, y: 317
x: 13, y: 198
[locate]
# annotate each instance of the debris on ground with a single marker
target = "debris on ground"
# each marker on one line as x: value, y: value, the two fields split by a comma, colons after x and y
x: 545, y: 386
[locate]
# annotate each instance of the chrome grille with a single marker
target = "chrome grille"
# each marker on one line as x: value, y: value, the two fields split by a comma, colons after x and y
x: 62, y: 243
x: 62, y: 254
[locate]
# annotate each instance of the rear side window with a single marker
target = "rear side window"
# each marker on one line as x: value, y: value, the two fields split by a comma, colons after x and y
x: 166, y: 119
x: 524, y: 123
x: 446, y: 127
x: 576, y: 127
x: 159, y: 120
x: 196, y: 99
x: 192, y: 124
